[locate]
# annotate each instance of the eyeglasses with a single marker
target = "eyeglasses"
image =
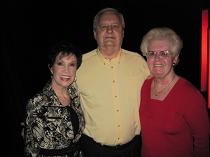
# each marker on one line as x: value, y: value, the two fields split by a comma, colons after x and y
x: 107, y: 27
x: 161, y: 54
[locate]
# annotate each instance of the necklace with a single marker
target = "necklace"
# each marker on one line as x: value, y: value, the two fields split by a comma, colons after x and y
x: 158, y: 93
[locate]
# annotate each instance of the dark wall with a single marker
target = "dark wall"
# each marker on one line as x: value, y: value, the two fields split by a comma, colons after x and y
x: 29, y: 28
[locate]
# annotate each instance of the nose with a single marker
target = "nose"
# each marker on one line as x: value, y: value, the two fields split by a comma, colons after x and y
x: 157, y: 56
x: 109, y: 28
x: 67, y: 69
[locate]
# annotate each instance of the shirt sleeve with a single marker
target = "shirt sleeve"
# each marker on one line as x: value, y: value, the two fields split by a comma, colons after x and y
x: 197, y: 117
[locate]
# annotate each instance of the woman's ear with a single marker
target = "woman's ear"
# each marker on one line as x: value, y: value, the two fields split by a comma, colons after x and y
x: 176, y: 60
x: 50, y: 68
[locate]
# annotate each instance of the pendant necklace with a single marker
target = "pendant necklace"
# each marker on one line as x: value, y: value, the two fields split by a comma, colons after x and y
x: 157, y: 93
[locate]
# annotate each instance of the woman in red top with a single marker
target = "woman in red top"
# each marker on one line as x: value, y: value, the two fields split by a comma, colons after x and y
x: 173, y: 113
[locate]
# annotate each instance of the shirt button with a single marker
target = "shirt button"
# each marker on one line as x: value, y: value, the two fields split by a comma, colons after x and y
x: 113, y: 81
x: 112, y: 67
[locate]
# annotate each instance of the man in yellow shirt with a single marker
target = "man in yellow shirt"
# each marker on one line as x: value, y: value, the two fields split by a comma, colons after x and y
x: 109, y: 81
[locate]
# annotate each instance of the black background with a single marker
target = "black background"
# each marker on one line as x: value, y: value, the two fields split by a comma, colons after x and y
x: 29, y: 28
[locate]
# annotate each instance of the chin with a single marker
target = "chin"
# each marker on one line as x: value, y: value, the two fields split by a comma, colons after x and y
x: 65, y: 85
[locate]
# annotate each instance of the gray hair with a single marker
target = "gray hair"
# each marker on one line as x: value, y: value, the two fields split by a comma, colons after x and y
x: 106, y: 10
x: 162, y: 33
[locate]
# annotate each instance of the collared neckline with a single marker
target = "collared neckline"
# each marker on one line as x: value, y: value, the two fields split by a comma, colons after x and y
x: 106, y: 61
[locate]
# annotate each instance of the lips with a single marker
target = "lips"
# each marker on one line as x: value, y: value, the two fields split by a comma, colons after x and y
x: 109, y: 37
x: 65, y: 78
x: 157, y: 65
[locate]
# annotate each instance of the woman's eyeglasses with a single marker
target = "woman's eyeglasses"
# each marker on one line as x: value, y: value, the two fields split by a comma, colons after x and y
x: 161, y: 54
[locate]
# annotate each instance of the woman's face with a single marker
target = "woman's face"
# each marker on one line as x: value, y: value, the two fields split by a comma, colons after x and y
x: 64, y: 70
x: 159, y: 58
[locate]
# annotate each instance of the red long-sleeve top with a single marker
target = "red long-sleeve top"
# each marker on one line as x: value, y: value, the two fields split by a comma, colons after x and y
x: 178, y: 126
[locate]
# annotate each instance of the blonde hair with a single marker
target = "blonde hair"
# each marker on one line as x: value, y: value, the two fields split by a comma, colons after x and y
x: 162, y: 33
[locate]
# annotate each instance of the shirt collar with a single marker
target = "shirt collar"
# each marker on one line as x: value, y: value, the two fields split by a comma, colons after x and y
x: 115, y: 60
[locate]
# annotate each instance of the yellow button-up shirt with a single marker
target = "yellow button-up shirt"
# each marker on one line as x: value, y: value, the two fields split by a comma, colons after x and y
x: 110, y: 95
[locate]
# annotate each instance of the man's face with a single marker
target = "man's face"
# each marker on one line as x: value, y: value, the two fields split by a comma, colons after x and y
x: 109, y: 32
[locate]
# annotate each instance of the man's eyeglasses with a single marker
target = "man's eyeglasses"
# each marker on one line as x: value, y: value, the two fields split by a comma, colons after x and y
x: 161, y: 54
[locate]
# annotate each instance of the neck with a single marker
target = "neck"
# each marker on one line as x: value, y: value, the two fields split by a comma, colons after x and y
x: 162, y: 86
x: 62, y: 94
x: 166, y: 79
x: 59, y: 90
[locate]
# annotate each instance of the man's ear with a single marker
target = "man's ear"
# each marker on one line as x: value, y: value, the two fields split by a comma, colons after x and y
x: 94, y: 33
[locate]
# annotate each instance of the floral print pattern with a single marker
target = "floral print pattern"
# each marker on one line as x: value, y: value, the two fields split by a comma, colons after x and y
x: 49, y: 125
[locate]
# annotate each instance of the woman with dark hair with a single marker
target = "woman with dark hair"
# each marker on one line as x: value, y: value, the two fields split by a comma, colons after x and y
x: 54, y: 119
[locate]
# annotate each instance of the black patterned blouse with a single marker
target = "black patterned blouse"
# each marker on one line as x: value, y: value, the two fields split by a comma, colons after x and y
x: 49, y: 125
